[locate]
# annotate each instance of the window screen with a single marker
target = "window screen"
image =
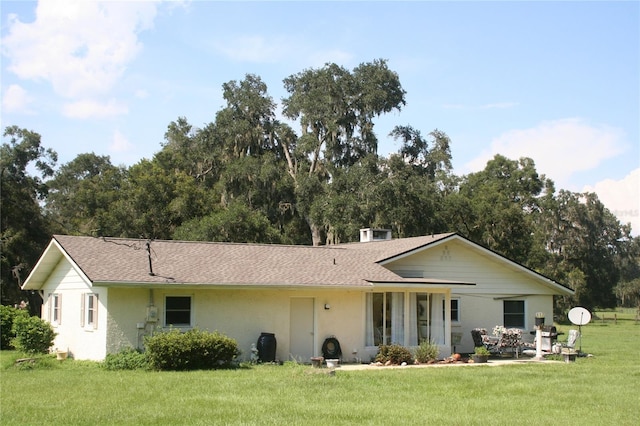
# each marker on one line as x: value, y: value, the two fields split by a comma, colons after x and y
x: 178, y: 310
x: 513, y: 313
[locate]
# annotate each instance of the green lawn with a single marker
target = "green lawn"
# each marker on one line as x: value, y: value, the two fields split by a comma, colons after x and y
x: 603, y: 389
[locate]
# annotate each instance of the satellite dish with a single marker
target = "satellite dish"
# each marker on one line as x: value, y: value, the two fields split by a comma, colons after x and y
x: 579, y: 316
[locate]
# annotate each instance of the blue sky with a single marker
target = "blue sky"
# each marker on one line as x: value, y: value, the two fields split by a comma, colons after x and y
x: 554, y: 81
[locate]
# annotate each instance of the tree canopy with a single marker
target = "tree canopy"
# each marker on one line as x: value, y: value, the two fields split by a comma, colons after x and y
x: 248, y: 177
x: 24, y: 230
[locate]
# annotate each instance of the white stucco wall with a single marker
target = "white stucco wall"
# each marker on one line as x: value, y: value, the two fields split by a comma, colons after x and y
x: 127, y: 308
x: 242, y: 315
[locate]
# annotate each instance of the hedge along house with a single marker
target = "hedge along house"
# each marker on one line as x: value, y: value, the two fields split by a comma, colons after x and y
x: 105, y: 294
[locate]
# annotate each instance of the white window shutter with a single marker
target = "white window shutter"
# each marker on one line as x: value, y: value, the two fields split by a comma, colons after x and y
x: 83, y: 296
x: 49, y: 310
x: 95, y: 310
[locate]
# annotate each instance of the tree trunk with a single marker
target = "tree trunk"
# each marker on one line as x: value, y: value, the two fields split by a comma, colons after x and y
x: 316, y: 236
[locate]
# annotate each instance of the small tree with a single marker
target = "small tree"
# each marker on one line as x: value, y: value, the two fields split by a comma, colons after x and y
x: 33, y: 335
x: 7, y: 317
x: 426, y: 351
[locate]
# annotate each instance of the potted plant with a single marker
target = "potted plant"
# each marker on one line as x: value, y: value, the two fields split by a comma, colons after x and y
x: 480, y: 355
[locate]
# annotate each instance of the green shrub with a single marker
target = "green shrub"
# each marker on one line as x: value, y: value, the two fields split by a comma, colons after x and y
x: 396, y: 354
x: 33, y: 335
x: 191, y: 350
x: 7, y: 317
x: 426, y: 351
x: 126, y: 359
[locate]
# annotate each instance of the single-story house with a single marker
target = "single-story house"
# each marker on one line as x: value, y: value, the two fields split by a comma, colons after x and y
x: 105, y: 294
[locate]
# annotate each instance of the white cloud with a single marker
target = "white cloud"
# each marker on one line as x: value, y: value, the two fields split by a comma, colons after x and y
x: 16, y: 99
x: 81, y: 47
x: 559, y: 148
x: 93, y: 109
x: 621, y: 197
x: 120, y: 143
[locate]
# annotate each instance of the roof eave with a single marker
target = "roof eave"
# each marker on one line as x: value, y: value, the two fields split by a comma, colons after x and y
x: 422, y: 283
x: 227, y: 286
x: 44, y: 266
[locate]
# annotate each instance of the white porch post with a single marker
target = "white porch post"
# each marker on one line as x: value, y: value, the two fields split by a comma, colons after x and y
x: 407, y: 319
x: 447, y: 322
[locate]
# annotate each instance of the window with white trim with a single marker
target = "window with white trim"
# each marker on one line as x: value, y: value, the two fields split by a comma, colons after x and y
x: 513, y: 313
x: 55, y: 308
x: 455, y: 310
x: 89, y: 317
x: 177, y: 311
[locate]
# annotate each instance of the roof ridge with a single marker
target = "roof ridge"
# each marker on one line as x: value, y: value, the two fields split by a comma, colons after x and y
x: 142, y: 240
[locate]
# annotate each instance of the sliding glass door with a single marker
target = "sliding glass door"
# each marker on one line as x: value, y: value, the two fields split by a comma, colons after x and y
x: 385, y: 318
x: 386, y: 312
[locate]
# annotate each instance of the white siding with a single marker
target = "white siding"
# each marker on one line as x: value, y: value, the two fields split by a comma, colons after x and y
x: 496, y: 280
x: 81, y: 342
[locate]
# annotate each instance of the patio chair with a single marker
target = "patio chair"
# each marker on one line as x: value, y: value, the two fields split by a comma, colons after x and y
x: 509, y: 342
x: 480, y: 338
x: 570, y: 344
x: 476, y: 334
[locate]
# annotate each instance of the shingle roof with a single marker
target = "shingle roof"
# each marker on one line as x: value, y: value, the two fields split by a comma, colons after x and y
x: 116, y: 260
x: 384, y: 250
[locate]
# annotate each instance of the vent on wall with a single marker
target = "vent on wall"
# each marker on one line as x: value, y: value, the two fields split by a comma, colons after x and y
x: 410, y: 273
x: 370, y: 234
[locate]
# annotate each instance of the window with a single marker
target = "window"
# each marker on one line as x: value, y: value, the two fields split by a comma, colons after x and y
x: 385, y: 319
x: 55, y: 300
x: 386, y: 314
x: 177, y: 311
x: 427, y: 318
x: 455, y: 310
x: 89, y: 316
x: 513, y: 313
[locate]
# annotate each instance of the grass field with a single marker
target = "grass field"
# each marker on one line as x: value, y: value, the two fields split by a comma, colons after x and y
x: 602, y: 389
